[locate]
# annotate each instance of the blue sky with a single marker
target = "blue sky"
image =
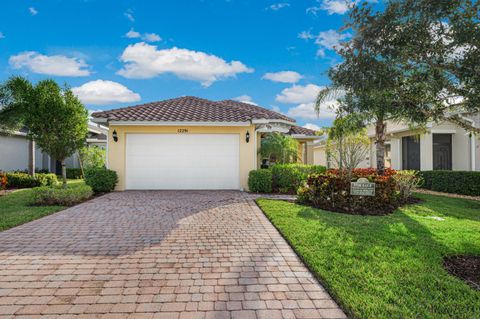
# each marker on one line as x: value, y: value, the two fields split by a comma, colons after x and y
x: 118, y: 53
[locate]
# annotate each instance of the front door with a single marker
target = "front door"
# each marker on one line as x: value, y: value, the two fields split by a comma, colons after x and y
x: 411, y: 152
x: 442, y: 151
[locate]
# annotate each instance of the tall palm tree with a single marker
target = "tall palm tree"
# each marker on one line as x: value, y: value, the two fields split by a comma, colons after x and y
x: 14, y: 96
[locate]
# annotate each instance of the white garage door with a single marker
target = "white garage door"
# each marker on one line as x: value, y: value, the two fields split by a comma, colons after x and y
x: 182, y: 161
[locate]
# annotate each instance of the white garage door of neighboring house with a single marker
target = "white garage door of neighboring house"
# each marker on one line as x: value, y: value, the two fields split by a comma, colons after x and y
x: 182, y: 161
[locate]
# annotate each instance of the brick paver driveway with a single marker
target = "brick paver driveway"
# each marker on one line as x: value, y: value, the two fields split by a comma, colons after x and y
x: 155, y: 254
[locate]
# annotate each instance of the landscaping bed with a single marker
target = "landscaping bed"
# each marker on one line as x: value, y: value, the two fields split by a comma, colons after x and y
x: 388, y: 266
x: 465, y: 267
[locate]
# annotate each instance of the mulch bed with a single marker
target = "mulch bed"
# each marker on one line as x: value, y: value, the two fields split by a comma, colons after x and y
x: 466, y: 268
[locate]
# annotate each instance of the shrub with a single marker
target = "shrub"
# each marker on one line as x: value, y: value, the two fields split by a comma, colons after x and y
x: 93, y: 157
x: 287, y: 178
x: 23, y: 180
x: 407, y: 181
x: 101, y: 180
x: 260, y: 181
x: 74, y: 173
x: 456, y: 182
x: 61, y: 196
x: 331, y: 191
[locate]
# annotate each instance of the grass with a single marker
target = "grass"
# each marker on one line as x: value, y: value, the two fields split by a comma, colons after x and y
x: 16, y: 207
x: 388, y: 266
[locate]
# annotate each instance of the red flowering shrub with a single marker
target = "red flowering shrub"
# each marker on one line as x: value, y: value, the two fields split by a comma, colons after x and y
x: 3, y: 181
x: 331, y: 191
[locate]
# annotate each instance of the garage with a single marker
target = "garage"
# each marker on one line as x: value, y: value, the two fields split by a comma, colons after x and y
x: 182, y: 161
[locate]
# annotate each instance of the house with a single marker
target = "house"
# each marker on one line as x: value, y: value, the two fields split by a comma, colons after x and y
x: 192, y: 143
x: 439, y: 146
x: 14, y: 151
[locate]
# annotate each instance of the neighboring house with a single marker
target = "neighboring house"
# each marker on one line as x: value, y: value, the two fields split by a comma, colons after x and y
x: 192, y: 143
x: 14, y: 151
x: 439, y: 146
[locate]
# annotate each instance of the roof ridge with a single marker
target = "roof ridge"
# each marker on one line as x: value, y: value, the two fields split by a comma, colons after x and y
x: 259, y: 108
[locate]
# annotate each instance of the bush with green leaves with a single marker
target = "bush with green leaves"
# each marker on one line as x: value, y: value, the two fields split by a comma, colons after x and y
x: 456, y: 182
x: 287, y: 178
x: 260, y: 181
x: 101, y: 180
x: 93, y: 157
x: 50, y: 196
x: 23, y: 180
x: 74, y: 173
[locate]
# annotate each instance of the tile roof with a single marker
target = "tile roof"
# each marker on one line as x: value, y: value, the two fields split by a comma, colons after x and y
x: 298, y: 130
x: 191, y: 109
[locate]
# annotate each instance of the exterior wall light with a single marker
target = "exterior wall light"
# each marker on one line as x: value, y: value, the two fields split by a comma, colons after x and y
x: 115, y: 136
x: 247, y: 137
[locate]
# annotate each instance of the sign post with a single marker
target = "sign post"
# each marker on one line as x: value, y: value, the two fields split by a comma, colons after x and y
x: 362, y: 187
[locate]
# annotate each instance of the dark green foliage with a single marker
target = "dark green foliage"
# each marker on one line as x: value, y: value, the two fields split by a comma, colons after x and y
x: 23, y: 180
x: 287, y: 178
x: 331, y: 191
x: 101, y: 180
x: 456, y: 182
x: 74, y: 173
x: 49, y: 196
x: 260, y: 181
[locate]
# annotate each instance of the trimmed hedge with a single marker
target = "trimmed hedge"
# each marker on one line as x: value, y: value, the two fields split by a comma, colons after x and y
x: 455, y: 182
x: 61, y: 196
x: 23, y: 180
x: 74, y: 173
x: 287, y: 178
x: 260, y: 181
x: 331, y: 191
x: 101, y: 180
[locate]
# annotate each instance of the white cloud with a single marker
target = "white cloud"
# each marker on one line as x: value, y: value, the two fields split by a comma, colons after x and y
x: 299, y: 94
x: 245, y: 99
x: 101, y: 92
x: 147, y: 37
x: 33, y: 11
x: 278, y: 6
x: 143, y: 61
x: 132, y: 34
x: 129, y: 15
x: 326, y: 40
x: 332, y: 6
x: 283, y: 76
x: 2, y: 36
x: 59, y: 65
x: 307, y: 111
x: 151, y: 37
x: 312, y: 126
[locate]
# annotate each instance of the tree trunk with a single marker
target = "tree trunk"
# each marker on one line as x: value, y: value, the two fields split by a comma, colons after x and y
x: 31, y: 157
x: 380, y: 145
x: 64, y: 174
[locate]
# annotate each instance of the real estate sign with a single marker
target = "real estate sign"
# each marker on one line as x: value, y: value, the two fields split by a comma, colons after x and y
x: 362, y: 187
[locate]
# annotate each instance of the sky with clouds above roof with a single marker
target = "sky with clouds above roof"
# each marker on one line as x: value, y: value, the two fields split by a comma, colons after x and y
x: 119, y: 53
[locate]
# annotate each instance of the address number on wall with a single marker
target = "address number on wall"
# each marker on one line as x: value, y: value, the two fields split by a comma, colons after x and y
x: 182, y: 130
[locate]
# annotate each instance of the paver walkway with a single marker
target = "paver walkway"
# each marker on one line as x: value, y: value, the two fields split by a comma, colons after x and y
x: 157, y: 254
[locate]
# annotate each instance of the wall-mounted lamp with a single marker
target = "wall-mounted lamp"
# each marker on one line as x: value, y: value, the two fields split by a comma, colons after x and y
x: 247, y: 137
x: 115, y: 136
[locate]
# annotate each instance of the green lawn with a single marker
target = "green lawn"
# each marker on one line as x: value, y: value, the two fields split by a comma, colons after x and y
x: 388, y: 266
x: 16, y: 209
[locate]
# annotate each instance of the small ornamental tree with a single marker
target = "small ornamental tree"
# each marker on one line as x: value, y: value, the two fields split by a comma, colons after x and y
x: 57, y: 121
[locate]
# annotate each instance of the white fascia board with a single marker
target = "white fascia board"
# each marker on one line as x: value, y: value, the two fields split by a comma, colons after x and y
x: 161, y: 123
x: 305, y: 137
x: 94, y: 140
x: 266, y: 121
x: 442, y: 131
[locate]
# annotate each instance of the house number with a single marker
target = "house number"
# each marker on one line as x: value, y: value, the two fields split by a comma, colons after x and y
x: 182, y: 130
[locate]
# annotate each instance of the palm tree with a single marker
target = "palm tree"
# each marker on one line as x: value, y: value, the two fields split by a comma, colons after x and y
x: 279, y: 148
x: 14, y: 97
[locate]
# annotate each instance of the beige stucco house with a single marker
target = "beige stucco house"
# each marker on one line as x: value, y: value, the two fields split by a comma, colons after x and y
x: 192, y: 143
x: 439, y: 146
